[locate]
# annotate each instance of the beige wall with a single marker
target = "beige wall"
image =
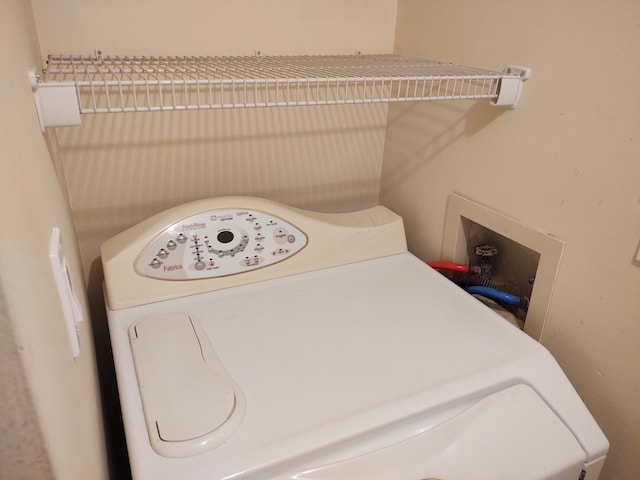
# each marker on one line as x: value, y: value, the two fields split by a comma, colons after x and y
x: 215, y: 27
x: 122, y: 168
x: 566, y: 161
x: 51, y: 416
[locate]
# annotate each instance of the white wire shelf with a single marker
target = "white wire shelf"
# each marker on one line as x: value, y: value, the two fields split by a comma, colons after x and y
x: 71, y: 85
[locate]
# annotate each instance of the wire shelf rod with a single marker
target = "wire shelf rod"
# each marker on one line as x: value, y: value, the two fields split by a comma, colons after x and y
x: 278, y: 69
x: 198, y: 81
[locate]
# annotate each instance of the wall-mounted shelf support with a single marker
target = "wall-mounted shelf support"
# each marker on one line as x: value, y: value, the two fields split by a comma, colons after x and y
x: 57, y: 103
x: 510, y: 88
x: 73, y: 85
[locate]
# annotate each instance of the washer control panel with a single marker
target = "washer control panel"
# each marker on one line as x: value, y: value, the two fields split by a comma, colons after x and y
x: 218, y: 243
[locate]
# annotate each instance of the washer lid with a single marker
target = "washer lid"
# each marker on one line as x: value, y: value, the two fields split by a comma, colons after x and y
x: 190, y: 403
x: 344, y: 361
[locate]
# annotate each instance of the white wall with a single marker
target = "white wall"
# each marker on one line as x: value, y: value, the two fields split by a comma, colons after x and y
x: 51, y: 415
x: 566, y: 162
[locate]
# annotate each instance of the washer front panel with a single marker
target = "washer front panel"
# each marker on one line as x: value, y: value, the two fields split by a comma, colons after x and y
x: 218, y: 243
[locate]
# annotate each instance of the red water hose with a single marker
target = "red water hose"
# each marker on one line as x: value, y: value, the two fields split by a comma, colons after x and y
x: 456, y: 267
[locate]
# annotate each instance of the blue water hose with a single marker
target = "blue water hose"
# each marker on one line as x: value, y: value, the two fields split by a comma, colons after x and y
x: 494, y: 294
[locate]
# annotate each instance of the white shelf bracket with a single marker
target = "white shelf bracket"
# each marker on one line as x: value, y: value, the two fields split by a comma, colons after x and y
x: 56, y: 103
x: 510, y: 88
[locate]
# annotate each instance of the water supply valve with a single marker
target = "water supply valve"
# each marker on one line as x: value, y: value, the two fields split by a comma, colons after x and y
x: 486, y: 252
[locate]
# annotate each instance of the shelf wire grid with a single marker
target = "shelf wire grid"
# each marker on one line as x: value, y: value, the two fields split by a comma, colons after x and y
x: 145, y: 83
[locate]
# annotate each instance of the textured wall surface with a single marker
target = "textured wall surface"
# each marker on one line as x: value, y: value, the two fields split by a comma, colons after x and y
x: 22, y: 451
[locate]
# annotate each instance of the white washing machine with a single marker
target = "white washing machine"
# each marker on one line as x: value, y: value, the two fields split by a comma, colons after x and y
x: 256, y: 341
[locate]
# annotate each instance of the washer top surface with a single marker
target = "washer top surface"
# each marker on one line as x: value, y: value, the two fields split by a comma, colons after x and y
x: 338, y: 361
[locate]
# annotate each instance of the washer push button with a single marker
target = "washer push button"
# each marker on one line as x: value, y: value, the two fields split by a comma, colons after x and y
x: 280, y: 235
